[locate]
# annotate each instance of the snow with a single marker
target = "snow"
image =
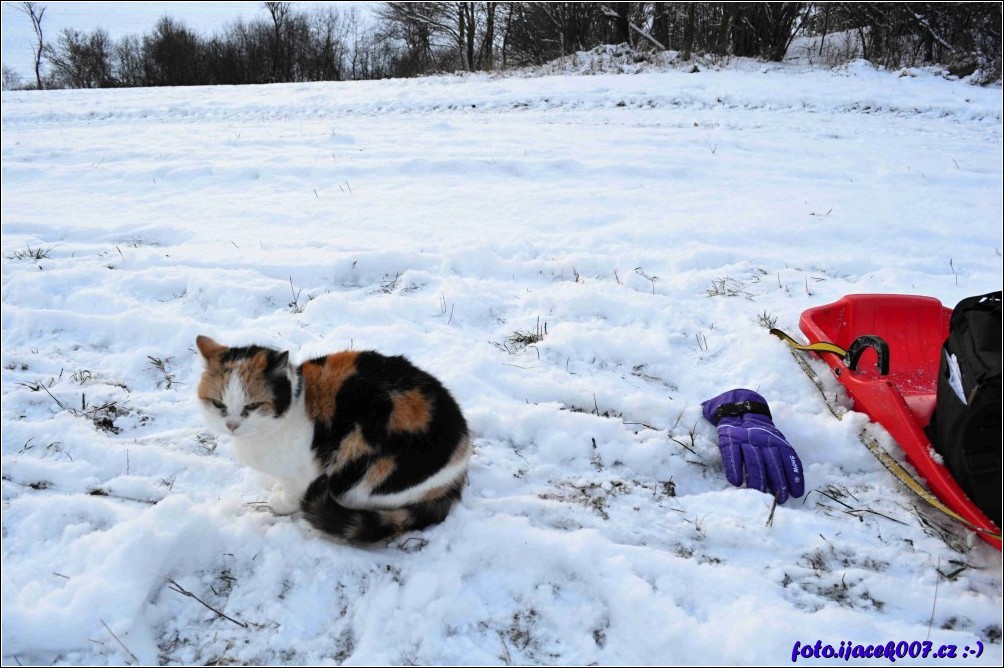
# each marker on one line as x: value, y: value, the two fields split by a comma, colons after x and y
x: 644, y: 223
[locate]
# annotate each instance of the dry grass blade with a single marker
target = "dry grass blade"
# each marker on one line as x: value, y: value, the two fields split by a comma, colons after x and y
x: 834, y: 495
x: 521, y: 339
x: 691, y: 436
x: 934, y: 528
x: 161, y: 365
x: 770, y: 517
x: 728, y: 287
x: 767, y: 320
x: 184, y: 592
x: 53, y: 397
x: 30, y: 253
x: 934, y: 603
x: 121, y: 644
x: 526, y: 338
x: 856, y: 511
x: 295, y: 306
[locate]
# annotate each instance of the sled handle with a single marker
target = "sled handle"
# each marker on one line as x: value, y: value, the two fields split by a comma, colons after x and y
x: 863, y: 343
x: 851, y: 356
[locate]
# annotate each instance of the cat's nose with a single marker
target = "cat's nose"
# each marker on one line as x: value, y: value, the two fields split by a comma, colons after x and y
x: 232, y: 425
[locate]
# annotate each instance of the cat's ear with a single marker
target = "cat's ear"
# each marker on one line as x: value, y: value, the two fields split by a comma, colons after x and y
x: 208, y: 347
x: 280, y: 363
x: 271, y: 362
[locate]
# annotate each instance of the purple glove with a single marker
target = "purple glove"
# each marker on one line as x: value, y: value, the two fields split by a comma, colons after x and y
x: 748, y: 438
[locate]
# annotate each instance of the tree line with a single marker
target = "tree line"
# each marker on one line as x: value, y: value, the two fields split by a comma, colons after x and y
x: 401, y: 39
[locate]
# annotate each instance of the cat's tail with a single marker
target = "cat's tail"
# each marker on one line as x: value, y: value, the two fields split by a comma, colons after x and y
x: 357, y: 525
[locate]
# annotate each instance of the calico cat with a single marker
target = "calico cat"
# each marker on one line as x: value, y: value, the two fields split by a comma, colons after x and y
x: 367, y: 445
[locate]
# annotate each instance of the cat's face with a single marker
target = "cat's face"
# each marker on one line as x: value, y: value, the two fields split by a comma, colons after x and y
x: 243, y: 390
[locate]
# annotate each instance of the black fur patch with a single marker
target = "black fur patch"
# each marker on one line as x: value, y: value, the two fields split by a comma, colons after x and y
x: 275, y: 371
x: 364, y: 401
x: 326, y: 514
x: 278, y: 380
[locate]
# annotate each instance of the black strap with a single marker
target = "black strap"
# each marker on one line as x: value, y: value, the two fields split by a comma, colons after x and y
x: 741, y: 408
x: 863, y: 343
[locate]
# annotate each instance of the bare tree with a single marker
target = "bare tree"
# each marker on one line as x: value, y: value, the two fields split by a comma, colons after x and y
x: 11, y: 79
x: 962, y: 35
x: 127, y: 62
x: 173, y: 55
x: 81, y: 60
x: 444, y: 35
x: 622, y: 23
x: 486, y: 55
x: 539, y: 32
x: 35, y: 12
x: 370, y: 56
x: 466, y: 26
x: 327, y: 49
x: 423, y: 27
x: 688, y: 32
x: 626, y: 17
x: 279, y: 11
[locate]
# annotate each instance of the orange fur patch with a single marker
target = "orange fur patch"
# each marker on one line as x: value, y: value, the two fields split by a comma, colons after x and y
x: 412, y: 412
x: 462, y: 452
x: 323, y: 381
x: 380, y: 470
x: 211, y: 385
x: 351, y: 448
x: 399, y: 519
x: 437, y: 493
x: 208, y: 347
x: 252, y: 375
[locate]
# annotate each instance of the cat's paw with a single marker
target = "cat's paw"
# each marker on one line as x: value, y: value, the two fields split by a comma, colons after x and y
x: 282, y: 503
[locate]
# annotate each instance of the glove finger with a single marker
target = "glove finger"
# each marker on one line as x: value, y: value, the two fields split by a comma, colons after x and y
x: 787, y: 468
x: 730, y: 440
x: 776, y: 474
x: 793, y: 471
x: 755, y: 475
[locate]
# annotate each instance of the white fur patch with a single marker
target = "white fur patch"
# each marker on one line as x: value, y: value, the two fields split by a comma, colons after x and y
x: 279, y: 446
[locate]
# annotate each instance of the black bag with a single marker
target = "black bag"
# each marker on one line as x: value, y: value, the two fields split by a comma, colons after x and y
x: 966, y: 426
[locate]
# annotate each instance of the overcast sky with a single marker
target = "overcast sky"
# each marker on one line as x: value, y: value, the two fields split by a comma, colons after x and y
x: 119, y: 19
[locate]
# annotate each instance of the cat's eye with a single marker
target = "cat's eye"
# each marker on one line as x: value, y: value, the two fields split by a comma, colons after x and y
x: 250, y: 407
x: 219, y: 405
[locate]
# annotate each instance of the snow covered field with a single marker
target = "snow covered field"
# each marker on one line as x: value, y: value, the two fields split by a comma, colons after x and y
x: 645, y: 225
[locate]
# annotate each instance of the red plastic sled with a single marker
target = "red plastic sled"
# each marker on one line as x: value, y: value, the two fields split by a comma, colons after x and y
x: 902, y: 400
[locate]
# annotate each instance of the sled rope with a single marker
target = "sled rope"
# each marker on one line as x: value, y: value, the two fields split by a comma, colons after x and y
x: 821, y: 347
x: 890, y: 464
